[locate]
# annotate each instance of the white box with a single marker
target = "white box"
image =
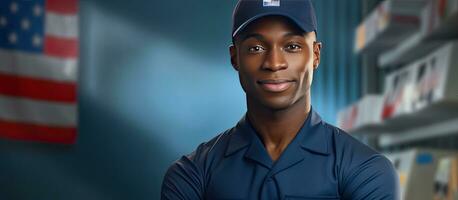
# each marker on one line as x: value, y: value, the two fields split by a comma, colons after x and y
x: 399, y: 87
x: 436, y: 77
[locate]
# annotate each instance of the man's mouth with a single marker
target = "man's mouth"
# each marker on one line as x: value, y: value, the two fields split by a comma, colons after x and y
x: 275, y: 85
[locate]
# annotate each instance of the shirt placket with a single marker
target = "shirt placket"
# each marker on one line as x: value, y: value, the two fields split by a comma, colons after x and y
x: 270, y: 190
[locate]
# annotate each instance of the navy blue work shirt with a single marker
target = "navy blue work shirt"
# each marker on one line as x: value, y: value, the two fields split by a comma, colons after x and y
x: 321, y: 162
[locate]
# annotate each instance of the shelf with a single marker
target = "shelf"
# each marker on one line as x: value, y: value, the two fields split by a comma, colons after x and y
x: 420, y: 133
x: 435, y: 31
x: 390, y: 23
x: 434, y: 114
x: 362, y: 115
x: 414, y: 47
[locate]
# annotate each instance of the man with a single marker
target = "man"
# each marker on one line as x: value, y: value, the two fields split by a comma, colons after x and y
x: 280, y: 149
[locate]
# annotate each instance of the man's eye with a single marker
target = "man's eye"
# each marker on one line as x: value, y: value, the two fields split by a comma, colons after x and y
x: 293, y: 47
x: 256, y: 49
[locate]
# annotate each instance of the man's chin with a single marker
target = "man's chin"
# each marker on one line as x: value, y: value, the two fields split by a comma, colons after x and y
x: 277, y: 104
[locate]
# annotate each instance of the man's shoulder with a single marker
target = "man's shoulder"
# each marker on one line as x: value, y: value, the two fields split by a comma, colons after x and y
x: 349, y: 151
x: 192, y: 169
x: 211, y: 149
x: 342, y: 142
x: 352, y: 154
x: 198, y: 162
x: 362, y: 171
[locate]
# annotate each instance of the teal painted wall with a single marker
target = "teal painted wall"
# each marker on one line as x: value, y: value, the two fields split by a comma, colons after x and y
x: 337, y: 82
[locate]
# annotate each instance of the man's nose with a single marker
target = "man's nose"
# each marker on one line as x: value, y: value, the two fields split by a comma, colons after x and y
x: 275, y: 60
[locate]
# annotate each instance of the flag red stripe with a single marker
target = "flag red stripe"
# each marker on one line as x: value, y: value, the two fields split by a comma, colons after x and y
x: 31, y: 132
x: 17, y: 86
x: 62, y: 6
x: 61, y: 47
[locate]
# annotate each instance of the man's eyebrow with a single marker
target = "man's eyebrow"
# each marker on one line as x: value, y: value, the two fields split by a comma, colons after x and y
x: 251, y: 35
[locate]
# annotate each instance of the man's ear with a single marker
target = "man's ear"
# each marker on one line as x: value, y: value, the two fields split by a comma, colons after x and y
x: 233, y: 53
x: 316, y: 54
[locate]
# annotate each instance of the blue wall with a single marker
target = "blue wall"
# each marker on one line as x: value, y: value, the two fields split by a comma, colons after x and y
x: 337, y: 81
x: 155, y: 81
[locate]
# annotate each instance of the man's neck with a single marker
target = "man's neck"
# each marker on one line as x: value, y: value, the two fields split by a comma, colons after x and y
x: 277, y: 128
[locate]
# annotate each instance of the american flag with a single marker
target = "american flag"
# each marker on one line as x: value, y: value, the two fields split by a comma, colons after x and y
x: 38, y: 70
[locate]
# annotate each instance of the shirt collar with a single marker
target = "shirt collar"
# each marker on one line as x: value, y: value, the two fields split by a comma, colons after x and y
x: 311, y: 136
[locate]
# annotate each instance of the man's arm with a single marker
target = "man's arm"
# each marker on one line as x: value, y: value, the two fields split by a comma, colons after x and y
x: 183, y: 181
x: 374, y: 179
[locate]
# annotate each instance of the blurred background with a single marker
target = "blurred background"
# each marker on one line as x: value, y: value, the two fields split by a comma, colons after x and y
x: 99, y: 97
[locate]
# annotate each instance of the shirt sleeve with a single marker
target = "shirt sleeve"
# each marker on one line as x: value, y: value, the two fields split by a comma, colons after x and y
x: 183, y: 181
x: 374, y: 179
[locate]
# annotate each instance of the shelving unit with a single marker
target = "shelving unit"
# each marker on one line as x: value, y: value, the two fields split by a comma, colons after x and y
x: 417, y: 64
x: 421, y: 87
x: 390, y: 23
x: 422, y: 93
x: 433, y: 33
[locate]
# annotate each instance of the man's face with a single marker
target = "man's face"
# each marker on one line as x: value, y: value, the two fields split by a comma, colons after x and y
x: 275, y: 61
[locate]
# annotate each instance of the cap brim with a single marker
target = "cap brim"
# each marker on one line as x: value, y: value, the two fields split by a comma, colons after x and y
x: 295, y: 21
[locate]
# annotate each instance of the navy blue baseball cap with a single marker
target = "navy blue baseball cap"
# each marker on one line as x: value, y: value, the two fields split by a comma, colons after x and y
x: 301, y: 12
